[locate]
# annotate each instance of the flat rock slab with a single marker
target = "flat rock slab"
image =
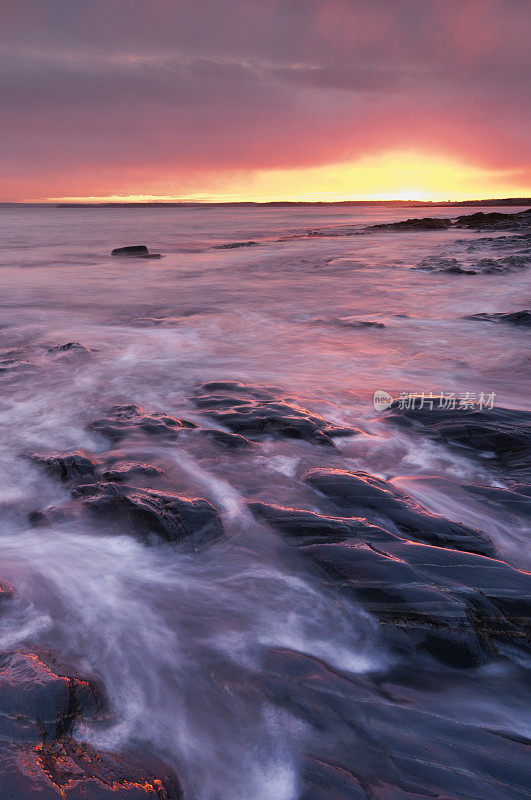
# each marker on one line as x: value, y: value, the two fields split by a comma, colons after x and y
x: 134, y: 251
x: 258, y: 413
x: 307, y: 527
x: 360, y: 492
x: 461, y: 608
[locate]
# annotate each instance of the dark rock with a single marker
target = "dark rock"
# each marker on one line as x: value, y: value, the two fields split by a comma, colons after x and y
x: 73, y: 771
x: 135, y: 251
x: 70, y: 347
x: 423, y: 224
x: 257, y: 413
x: 149, y: 514
x: 7, y: 595
x: 11, y: 364
x: 517, y: 501
x: 306, y: 527
x: 67, y: 466
x: 36, y: 702
x: 501, y: 436
x: 494, y: 220
x: 443, y: 265
x: 361, y: 492
x: 519, y: 318
x: 131, y: 418
x: 459, y: 271
x: 234, y: 245
x: 123, y: 470
x: 502, y: 266
x: 232, y: 441
x: 350, y: 322
x: 461, y: 608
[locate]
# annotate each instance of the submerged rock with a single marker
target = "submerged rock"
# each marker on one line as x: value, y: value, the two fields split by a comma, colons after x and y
x: 519, y: 318
x: 231, y: 441
x: 362, y: 492
x: 70, y: 347
x: 130, y: 418
x: 234, y: 245
x: 257, y: 413
x: 135, y: 251
x: 350, y: 322
x: 148, y: 513
x: 442, y: 264
x: 500, y: 436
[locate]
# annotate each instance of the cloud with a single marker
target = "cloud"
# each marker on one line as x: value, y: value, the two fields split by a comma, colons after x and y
x: 104, y: 96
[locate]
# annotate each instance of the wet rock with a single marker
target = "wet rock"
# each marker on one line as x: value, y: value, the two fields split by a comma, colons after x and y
x: 502, y: 266
x: 444, y: 265
x: 459, y: 271
x: 307, y: 527
x: 151, y: 514
x: 7, y: 595
x: 36, y: 702
x: 126, y: 419
x: 12, y: 364
x: 257, y: 413
x: 75, y: 465
x: 519, y: 318
x: 494, y: 220
x: 499, y: 436
x: 362, y: 492
x: 517, y: 501
x: 350, y: 322
x: 38, y: 759
x: 461, y: 608
x: 231, y: 441
x: 123, y: 470
x: 415, y: 224
x: 134, y: 251
x: 73, y: 771
x: 70, y: 347
x: 234, y: 245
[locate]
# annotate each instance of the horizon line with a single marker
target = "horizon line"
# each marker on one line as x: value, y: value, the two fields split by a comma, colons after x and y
x: 87, y: 203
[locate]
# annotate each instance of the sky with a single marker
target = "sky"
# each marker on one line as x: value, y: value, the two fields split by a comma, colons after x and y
x: 264, y: 99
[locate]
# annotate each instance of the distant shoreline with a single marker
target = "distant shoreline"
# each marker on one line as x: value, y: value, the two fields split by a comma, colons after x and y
x: 505, y: 201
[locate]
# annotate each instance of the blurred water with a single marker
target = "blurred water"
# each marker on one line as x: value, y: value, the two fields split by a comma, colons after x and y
x: 178, y: 639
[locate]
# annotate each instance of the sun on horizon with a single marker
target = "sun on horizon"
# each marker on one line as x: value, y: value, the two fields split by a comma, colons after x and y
x: 402, y: 175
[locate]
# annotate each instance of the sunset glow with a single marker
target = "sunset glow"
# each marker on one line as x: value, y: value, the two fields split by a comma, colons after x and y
x: 393, y: 176
x: 248, y: 100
